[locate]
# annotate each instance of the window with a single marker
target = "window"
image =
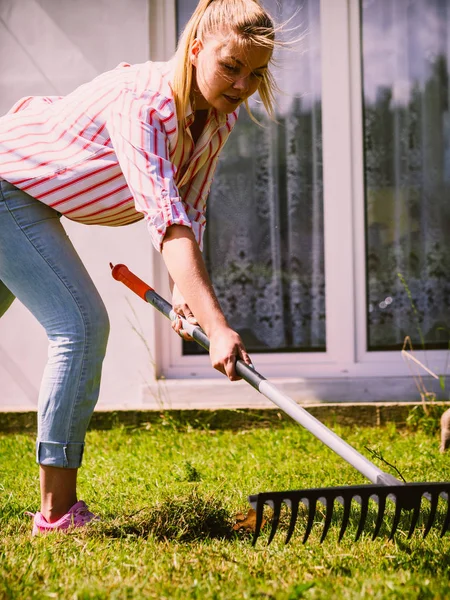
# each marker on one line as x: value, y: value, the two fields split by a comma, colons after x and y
x: 264, y: 237
x: 405, y: 54
x: 346, y: 191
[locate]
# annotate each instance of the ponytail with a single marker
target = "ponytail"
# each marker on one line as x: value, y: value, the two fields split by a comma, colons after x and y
x: 182, y: 80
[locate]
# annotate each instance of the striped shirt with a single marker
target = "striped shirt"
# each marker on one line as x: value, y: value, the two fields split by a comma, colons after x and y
x: 112, y: 152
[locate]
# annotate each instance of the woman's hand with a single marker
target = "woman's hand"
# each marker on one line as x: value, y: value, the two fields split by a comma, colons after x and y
x: 182, y: 309
x: 226, y: 347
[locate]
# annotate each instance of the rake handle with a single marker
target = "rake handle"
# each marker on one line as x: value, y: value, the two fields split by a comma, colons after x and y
x: 261, y: 384
x: 123, y: 274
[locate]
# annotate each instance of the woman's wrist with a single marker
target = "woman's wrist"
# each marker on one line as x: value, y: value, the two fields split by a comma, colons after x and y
x: 217, y: 328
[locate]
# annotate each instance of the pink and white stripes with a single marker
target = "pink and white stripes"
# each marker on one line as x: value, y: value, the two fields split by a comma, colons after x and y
x: 111, y: 152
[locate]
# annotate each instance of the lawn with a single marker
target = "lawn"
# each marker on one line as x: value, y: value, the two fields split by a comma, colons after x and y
x: 167, y: 495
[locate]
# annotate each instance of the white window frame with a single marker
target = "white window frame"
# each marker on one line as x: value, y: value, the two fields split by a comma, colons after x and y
x: 345, y: 266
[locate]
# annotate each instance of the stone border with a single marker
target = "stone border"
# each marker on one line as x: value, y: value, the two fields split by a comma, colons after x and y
x: 374, y: 414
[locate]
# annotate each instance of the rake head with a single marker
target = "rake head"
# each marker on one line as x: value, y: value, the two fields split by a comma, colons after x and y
x: 406, y: 497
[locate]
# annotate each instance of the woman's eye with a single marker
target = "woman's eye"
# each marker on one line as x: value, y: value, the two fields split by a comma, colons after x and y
x: 230, y: 68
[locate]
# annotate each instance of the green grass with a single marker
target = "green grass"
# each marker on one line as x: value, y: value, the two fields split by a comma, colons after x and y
x: 167, y: 496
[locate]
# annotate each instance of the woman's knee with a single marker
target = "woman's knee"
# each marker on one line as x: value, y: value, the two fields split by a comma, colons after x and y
x: 101, y: 328
x: 96, y: 326
x: 81, y: 328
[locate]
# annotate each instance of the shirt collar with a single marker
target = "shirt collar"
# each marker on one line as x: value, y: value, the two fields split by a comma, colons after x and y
x: 189, y: 115
x: 218, y: 118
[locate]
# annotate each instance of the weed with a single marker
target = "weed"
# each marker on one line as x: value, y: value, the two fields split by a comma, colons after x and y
x: 375, y: 453
x: 426, y: 418
x: 191, y: 473
x: 161, y: 395
x: 188, y: 518
x: 414, y: 309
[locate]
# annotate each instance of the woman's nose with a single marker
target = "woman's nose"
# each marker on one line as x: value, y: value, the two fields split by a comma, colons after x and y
x: 242, y: 83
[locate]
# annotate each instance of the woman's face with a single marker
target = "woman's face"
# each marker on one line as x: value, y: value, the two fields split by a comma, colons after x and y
x: 226, y: 72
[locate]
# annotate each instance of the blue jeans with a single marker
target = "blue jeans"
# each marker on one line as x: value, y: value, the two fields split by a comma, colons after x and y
x: 39, y: 266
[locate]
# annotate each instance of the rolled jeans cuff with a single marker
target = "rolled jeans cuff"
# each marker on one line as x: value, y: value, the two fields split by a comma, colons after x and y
x: 58, y: 454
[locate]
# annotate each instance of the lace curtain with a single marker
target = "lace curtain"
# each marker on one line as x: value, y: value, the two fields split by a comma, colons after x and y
x: 264, y: 235
x: 406, y: 46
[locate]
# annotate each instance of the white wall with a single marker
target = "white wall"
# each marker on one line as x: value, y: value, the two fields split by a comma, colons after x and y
x: 50, y: 47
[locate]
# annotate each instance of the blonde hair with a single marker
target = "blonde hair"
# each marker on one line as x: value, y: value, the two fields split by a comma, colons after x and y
x: 251, y: 24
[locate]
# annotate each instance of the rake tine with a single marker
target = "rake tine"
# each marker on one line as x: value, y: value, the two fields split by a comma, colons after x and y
x: 363, y: 516
x: 431, y: 516
x: 398, y: 512
x: 275, y: 518
x: 380, y: 515
x: 294, y: 513
x: 328, y: 517
x: 414, y: 518
x: 345, y: 517
x: 311, y: 515
x: 259, y: 518
x: 446, y: 524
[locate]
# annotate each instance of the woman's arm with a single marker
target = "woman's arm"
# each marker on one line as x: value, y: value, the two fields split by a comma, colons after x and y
x: 185, y: 264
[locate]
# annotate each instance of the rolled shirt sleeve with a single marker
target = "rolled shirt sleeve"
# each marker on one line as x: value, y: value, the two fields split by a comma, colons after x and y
x: 195, y: 194
x: 138, y: 126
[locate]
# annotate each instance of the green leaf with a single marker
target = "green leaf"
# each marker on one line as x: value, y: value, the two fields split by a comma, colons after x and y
x: 299, y: 590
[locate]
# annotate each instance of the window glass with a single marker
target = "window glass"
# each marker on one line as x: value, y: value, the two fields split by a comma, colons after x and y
x: 405, y: 52
x: 264, y: 236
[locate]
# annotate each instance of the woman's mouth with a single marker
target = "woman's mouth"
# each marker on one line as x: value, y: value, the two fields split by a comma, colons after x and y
x: 232, y: 99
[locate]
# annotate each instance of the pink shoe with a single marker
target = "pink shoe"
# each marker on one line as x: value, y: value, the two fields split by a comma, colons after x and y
x: 78, y: 516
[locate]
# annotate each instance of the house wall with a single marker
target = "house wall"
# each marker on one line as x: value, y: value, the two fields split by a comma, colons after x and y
x: 49, y: 48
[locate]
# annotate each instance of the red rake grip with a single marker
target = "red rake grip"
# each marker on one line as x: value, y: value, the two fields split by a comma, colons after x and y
x: 122, y: 273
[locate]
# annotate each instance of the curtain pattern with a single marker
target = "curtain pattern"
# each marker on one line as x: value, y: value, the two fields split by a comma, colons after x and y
x: 264, y: 235
x: 406, y: 47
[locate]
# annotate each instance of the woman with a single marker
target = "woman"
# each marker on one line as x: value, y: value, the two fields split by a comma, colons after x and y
x: 141, y: 141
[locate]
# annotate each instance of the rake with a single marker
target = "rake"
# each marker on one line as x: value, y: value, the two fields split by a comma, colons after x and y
x: 384, y: 487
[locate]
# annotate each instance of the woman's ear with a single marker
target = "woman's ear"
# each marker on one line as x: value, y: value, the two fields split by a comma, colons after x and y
x: 196, y: 47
